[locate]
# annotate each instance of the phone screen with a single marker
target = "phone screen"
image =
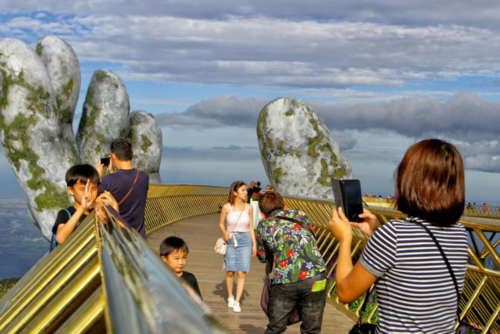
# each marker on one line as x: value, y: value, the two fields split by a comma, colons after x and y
x: 347, y: 195
x: 105, y: 161
x: 353, y: 201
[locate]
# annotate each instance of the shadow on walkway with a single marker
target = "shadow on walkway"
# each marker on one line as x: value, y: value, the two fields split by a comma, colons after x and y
x: 200, y: 233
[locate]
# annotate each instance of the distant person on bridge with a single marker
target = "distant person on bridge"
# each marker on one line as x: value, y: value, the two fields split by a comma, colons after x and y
x: 240, y: 236
x: 128, y: 185
x: 286, y: 238
x: 416, y: 291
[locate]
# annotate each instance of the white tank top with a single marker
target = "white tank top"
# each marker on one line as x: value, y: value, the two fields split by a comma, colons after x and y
x: 232, y: 219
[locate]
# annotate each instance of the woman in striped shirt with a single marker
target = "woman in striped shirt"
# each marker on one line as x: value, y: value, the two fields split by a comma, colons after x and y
x: 415, y: 290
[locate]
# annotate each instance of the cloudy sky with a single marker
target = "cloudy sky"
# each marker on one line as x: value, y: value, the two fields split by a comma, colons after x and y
x: 381, y: 74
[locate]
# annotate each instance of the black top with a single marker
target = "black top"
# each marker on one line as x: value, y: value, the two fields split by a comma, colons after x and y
x: 191, y: 280
x: 63, y: 217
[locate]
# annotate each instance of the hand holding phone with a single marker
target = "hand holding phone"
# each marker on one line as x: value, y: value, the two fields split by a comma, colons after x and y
x: 347, y: 195
x: 105, y: 161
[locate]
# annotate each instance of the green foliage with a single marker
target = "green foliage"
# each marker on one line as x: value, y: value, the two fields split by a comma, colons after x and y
x: 289, y: 112
x: 7, y: 284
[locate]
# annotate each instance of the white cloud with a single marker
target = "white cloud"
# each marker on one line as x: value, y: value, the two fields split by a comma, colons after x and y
x: 465, y: 119
x: 264, y: 51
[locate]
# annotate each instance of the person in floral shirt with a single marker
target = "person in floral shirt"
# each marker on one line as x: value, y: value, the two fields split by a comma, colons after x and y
x: 286, y: 238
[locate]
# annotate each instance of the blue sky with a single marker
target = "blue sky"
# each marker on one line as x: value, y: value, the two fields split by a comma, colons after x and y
x: 381, y: 74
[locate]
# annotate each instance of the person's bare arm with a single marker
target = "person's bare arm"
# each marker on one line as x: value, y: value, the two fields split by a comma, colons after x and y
x: 223, y: 213
x: 64, y: 230
x: 108, y: 199
x: 352, y: 281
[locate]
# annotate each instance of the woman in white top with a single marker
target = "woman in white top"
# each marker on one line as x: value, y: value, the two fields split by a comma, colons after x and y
x: 416, y: 291
x: 240, y: 236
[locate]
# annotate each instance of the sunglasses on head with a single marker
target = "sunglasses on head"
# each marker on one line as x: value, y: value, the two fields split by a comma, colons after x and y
x: 237, y: 184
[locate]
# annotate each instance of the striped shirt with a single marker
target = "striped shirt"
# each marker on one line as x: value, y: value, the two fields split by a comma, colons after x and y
x: 415, y: 291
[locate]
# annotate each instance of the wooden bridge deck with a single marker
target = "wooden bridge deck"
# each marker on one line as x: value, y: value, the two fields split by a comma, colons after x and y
x: 200, y: 233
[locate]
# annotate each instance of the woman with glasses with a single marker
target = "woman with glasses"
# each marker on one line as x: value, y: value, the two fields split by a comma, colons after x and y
x: 239, y: 233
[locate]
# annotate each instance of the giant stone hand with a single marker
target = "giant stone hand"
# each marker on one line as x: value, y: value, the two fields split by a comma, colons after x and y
x: 298, y: 152
x: 38, y: 98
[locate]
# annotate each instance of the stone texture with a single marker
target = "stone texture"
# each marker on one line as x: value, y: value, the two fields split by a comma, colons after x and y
x: 38, y: 96
x: 299, y: 155
x: 31, y: 132
x: 147, y: 144
x: 105, y: 116
x: 63, y: 68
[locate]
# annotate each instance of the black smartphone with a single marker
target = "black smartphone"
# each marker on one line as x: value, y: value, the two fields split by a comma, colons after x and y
x: 347, y: 195
x: 105, y: 161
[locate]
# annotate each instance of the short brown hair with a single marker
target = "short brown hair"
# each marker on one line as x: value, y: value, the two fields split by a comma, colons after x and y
x: 430, y: 182
x: 271, y: 201
x: 234, y: 187
x: 122, y: 149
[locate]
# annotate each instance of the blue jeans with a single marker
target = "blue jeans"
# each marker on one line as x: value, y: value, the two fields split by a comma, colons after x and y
x: 310, y: 304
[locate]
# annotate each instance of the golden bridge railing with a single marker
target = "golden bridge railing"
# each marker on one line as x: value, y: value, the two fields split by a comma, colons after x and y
x: 105, y: 271
x: 471, y: 210
x: 106, y: 279
x: 480, y: 301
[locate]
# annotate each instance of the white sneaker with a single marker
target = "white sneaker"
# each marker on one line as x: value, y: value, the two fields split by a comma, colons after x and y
x: 230, y: 302
x: 236, y: 307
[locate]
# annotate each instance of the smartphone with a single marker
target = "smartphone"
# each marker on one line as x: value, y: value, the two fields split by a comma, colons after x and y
x: 105, y: 161
x: 347, y: 195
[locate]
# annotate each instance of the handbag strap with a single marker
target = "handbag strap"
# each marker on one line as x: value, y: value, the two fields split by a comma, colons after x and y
x: 244, y: 208
x: 363, y: 307
x: 445, y: 261
x: 135, y: 181
x: 444, y: 257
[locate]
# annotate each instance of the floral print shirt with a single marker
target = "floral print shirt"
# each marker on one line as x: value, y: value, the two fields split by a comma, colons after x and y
x: 296, y: 255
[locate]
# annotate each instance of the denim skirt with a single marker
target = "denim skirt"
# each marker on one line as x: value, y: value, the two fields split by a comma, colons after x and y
x: 238, y: 259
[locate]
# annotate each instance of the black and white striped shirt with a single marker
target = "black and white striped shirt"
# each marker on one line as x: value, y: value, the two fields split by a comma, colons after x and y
x: 415, y: 291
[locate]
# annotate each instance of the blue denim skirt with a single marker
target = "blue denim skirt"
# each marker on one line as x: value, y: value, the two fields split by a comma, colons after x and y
x: 238, y: 259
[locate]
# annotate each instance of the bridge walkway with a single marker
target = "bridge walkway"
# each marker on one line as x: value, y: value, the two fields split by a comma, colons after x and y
x: 200, y: 233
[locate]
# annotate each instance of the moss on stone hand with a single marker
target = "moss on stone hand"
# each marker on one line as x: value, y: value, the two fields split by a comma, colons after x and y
x: 101, y: 76
x: 277, y: 174
x: 90, y: 112
x: 52, y: 197
x: 261, y: 126
x: 314, y: 142
x: 39, y: 49
x: 146, y: 143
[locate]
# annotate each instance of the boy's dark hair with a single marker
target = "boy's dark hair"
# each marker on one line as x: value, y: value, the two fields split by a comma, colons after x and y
x: 122, y: 149
x: 172, y: 244
x: 83, y: 173
x: 271, y: 201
